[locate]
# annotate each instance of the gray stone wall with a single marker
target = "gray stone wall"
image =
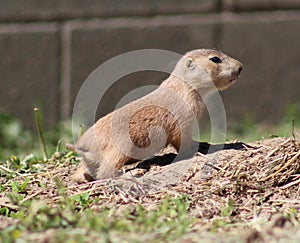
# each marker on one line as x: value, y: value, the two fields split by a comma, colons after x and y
x: 48, y: 48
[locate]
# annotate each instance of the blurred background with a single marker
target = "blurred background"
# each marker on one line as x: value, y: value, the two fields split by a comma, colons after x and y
x: 48, y: 48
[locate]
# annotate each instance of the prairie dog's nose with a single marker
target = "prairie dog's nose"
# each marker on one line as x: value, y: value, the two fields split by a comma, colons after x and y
x: 240, y: 69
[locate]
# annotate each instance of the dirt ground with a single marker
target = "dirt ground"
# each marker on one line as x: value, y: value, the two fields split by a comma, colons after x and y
x: 260, y: 180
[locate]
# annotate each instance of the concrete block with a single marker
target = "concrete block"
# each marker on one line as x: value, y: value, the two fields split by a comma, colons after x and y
x: 29, y: 72
x: 269, y: 49
x: 32, y: 10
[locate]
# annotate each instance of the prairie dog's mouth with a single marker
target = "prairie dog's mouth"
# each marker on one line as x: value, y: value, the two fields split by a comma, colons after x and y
x: 234, y: 78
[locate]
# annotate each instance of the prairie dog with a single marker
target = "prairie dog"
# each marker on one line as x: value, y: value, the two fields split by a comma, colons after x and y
x: 165, y: 116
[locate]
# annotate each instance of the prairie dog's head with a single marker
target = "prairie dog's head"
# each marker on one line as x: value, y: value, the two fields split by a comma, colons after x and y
x: 202, y: 68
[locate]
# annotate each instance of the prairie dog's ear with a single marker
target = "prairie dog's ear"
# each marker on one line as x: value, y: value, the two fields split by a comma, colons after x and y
x: 190, y: 63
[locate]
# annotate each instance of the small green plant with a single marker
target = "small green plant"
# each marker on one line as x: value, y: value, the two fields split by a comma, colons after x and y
x: 82, y: 199
x: 293, y: 214
x: 4, y: 211
x: 225, y: 216
x: 19, y: 188
x: 228, y: 209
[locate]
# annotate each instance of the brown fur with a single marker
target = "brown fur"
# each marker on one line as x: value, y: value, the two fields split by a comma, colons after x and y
x: 104, y: 147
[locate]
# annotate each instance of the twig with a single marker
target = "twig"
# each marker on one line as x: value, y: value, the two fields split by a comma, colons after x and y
x: 284, y: 201
x: 122, y: 195
x: 278, y: 148
x: 13, y: 207
x: 290, y: 184
x: 8, y: 170
x: 86, y: 191
x: 31, y: 196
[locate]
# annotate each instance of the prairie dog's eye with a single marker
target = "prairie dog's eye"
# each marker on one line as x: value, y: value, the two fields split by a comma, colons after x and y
x: 215, y: 59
